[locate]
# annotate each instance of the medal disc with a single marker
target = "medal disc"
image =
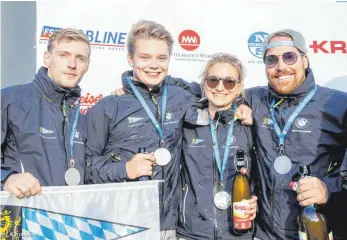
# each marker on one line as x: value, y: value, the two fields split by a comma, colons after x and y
x: 72, y: 177
x: 282, y: 164
x: 163, y: 156
x: 222, y: 200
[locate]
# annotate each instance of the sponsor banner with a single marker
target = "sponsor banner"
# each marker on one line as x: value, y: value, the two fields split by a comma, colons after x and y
x: 200, y: 29
x: 107, y: 211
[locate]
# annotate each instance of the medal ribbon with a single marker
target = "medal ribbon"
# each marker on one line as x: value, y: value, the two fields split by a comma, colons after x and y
x: 282, y: 134
x: 73, y: 129
x: 222, y: 165
x: 148, y: 110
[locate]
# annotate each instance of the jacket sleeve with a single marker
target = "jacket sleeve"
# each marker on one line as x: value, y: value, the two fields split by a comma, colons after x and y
x: 7, y: 167
x: 343, y: 173
x: 248, y: 96
x: 101, y: 167
x: 336, y: 178
x: 4, y: 126
x: 252, y: 165
x: 333, y: 180
x: 192, y: 87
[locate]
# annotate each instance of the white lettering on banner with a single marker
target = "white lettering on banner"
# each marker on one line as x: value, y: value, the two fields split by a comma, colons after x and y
x: 189, y: 39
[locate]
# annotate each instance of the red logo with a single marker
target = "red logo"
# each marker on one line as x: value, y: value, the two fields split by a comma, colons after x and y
x: 88, y: 101
x: 189, y: 40
x: 239, y: 207
x: 329, y: 46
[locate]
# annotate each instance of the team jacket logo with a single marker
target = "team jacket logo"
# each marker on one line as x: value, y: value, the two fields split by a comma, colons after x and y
x: 233, y: 141
x: 267, y: 121
x: 77, y: 134
x: 169, y: 115
x: 132, y: 120
x: 301, y: 123
x: 196, y: 141
x: 135, y: 121
x: 78, y: 137
x: 46, y: 133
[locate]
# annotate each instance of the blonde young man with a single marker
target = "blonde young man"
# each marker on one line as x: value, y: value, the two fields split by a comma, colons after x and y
x: 42, y: 137
x: 149, y: 115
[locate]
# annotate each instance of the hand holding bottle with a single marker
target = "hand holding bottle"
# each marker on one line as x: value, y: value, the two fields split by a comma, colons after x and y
x: 251, y: 209
x: 311, y: 190
x: 312, y: 223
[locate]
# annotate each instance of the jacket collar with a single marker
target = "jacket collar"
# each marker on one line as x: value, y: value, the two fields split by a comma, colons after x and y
x: 301, y: 91
x: 52, y: 91
x: 202, y: 114
x: 141, y: 87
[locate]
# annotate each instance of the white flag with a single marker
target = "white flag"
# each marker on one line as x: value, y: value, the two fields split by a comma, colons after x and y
x: 102, y: 211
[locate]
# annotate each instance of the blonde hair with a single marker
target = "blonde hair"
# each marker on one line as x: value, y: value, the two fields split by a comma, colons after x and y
x: 145, y: 29
x: 224, y: 58
x: 67, y: 34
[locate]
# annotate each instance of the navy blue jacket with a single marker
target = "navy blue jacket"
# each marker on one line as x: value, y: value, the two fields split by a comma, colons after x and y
x: 200, y: 181
x: 32, y: 130
x: 118, y: 126
x: 344, y: 174
x: 318, y: 138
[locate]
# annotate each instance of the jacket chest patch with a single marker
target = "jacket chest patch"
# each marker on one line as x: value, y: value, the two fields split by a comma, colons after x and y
x: 47, y: 133
x: 134, y: 121
x: 300, y: 125
x: 197, y: 143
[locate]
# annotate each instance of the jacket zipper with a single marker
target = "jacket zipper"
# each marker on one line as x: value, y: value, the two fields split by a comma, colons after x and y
x: 216, y: 182
x: 158, y: 114
x: 185, y: 190
x: 273, y: 199
x: 273, y: 184
x: 214, y: 192
x: 156, y: 104
x: 65, y: 126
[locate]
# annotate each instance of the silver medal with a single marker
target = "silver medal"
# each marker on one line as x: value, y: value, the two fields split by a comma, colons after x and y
x: 163, y: 156
x: 72, y: 176
x: 282, y: 164
x: 222, y: 200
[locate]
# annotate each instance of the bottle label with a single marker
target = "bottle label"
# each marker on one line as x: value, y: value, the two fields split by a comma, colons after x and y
x: 303, y: 236
x: 241, y: 219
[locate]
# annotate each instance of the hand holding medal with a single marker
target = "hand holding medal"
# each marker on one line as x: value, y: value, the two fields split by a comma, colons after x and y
x: 141, y: 164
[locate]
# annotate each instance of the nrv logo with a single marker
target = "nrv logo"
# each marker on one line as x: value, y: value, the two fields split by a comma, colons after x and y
x: 255, y: 43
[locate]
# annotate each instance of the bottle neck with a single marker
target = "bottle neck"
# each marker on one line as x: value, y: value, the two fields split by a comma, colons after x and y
x: 310, y: 208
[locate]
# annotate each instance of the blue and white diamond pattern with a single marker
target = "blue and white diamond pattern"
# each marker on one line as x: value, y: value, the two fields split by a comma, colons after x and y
x: 39, y: 224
